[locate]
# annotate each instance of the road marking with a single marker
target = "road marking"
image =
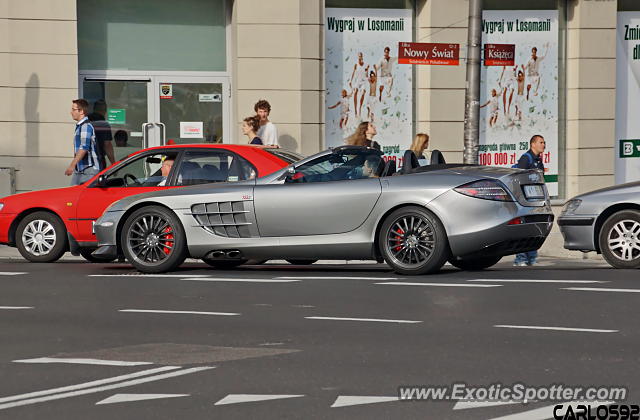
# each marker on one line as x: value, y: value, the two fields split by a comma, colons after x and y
x: 535, y: 281
x: 118, y: 398
x: 103, y: 388
x: 242, y: 280
x: 465, y: 405
x: 532, y: 327
x: 160, y: 311
x: 243, y: 398
x: 330, y: 318
x: 403, y: 283
x: 601, y: 289
x: 347, y: 400
x: 150, y: 275
x: 16, y: 307
x: 546, y: 412
x: 335, y: 278
x: 81, y: 361
x: 89, y: 384
x: 10, y: 273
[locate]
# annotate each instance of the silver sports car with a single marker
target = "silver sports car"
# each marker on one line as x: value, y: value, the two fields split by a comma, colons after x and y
x: 606, y: 221
x: 343, y: 203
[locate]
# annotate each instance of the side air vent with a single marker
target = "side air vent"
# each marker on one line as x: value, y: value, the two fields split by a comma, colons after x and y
x: 225, y: 218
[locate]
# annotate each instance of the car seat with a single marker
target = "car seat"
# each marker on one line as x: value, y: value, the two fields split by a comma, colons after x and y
x: 389, y: 168
x: 409, y: 162
x: 437, y: 158
x: 189, y: 173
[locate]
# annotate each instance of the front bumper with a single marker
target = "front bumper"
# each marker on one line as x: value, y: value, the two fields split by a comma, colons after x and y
x: 106, y: 228
x: 5, y: 222
x: 578, y: 232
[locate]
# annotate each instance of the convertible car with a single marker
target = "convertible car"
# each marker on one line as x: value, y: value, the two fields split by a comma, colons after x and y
x: 343, y: 203
x: 606, y: 221
x: 45, y: 224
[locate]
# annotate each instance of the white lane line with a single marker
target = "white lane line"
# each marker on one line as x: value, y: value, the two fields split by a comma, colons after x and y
x: 533, y: 327
x: 161, y: 311
x: 82, y: 361
x: 119, y: 398
x: 150, y: 275
x: 331, y: 318
x: 601, y: 289
x: 335, y: 278
x: 535, y: 281
x: 16, y: 307
x: 242, y: 280
x: 546, y: 412
x: 243, y: 398
x: 403, y: 283
x: 465, y: 405
x: 89, y: 384
x: 103, y: 388
x: 10, y: 273
x: 348, y: 400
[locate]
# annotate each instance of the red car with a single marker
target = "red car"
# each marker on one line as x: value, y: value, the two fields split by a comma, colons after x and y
x: 45, y: 224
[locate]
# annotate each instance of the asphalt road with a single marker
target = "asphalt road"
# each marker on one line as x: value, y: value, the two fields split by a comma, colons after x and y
x: 97, y: 341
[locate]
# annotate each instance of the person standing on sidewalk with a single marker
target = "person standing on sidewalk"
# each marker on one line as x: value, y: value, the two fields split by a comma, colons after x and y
x: 267, y: 131
x: 85, y: 163
x: 532, y: 159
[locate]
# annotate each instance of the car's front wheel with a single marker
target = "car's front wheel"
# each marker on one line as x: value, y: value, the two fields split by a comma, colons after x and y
x: 153, y: 240
x: 413, y: 241
x: 474, y: 264
x: 619, y: 239
x: 41, y: 237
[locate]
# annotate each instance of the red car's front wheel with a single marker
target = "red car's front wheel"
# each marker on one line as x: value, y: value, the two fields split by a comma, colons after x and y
x: 41, y: 237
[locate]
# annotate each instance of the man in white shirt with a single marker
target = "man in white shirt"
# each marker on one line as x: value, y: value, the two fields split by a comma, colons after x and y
x: 533, y: 70
x: 267, y: 131
x: 384, y: 70
x: 358, y: 83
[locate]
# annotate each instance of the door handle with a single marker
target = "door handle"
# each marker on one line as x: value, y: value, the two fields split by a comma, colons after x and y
x: 163, y: 132
x: 145, y: 134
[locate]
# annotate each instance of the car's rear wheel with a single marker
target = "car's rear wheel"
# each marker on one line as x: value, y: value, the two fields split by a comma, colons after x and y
x: 301, y: 262
x: 474, y: 264
x: 41, y: 237
x: 86, y: 254
x: 619, y: 239
x: 413, y: 241
x: 223, y: 264
x: 153, y: 240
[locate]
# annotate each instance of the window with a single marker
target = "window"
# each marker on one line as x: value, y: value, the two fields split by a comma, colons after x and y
x: 340, y: 166
x: 146, y: 171
x: 286, y: 155
x: 203, y: 167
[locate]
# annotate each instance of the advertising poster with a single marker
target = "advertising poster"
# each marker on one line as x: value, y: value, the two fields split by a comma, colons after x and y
x: 520, y: 99
x: 364, y: 81
x: 628, y: 98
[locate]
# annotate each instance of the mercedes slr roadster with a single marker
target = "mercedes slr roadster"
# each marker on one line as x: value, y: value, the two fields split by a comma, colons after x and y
x: 343, y: 203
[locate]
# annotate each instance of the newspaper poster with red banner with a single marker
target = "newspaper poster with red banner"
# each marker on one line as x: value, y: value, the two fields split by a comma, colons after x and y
x: 519, y: 98
x: 429, y: 53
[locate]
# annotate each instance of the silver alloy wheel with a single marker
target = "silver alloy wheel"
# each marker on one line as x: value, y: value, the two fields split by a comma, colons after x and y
x: 410, y: 241
x: 39, y: 237
x: 624, y: 240
x: 151, y: 238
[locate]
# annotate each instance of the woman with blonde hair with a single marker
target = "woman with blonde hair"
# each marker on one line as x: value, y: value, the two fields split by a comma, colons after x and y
x: 363, y: 136
x: 419, y: 144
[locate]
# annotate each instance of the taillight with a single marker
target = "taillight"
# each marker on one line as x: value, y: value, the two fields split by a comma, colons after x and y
x: 485, y: 189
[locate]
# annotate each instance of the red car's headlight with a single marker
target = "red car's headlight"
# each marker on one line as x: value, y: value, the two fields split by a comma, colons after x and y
x: 486, y: 189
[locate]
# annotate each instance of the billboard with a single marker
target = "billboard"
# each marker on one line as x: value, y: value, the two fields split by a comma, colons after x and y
x: 364, y: 81
x: 520, y: 99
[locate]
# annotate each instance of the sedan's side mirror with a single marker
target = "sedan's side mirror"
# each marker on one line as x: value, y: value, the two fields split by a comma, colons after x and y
x: 101, y: 181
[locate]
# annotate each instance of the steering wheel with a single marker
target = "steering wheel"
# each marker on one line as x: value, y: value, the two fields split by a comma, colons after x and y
x: 133, y: 179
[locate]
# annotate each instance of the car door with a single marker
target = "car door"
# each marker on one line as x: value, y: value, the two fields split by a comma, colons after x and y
x: 141, y: 174
x: 327, y: 195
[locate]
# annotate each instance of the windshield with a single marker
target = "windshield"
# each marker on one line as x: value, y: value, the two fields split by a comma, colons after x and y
x: 286, y: 155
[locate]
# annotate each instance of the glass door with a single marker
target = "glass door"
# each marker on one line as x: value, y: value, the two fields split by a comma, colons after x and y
x: 192, y: 109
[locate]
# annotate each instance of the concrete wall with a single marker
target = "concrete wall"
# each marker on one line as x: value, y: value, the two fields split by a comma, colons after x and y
x: 38, y: 80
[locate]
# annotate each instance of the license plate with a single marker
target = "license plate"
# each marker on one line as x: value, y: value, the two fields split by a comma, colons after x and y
x: 534, y: 192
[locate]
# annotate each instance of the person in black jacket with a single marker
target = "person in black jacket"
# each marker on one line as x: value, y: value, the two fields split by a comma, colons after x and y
x: 532, y: 159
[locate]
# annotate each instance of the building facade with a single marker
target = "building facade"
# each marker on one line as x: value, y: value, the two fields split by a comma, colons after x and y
x: 154, y: 64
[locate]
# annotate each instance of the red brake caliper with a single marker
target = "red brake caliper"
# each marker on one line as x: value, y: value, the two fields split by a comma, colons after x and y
x: 398, y: 240
x: 167, y: 238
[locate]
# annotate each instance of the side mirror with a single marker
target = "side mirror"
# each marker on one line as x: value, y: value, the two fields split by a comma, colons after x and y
x: 101, y: 181
x: 291, y: 170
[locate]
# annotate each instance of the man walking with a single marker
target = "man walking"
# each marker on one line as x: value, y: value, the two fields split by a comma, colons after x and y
x: 85, y: 163
x: 532, y: 159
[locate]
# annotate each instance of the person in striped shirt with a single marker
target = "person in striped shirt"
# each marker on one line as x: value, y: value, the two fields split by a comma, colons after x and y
x: 85, y: 164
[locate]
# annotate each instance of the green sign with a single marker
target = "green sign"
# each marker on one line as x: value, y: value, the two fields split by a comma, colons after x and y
x: 117, y: 116
x: 630, y: 148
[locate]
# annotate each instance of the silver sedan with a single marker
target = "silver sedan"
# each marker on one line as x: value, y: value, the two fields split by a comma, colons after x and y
x: 606, y: 221
x: 343, y: 203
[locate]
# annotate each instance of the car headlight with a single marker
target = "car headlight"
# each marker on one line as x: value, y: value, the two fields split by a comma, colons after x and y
x: 1, y: 206
x: 486, y: 189
x: 571, y: 206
